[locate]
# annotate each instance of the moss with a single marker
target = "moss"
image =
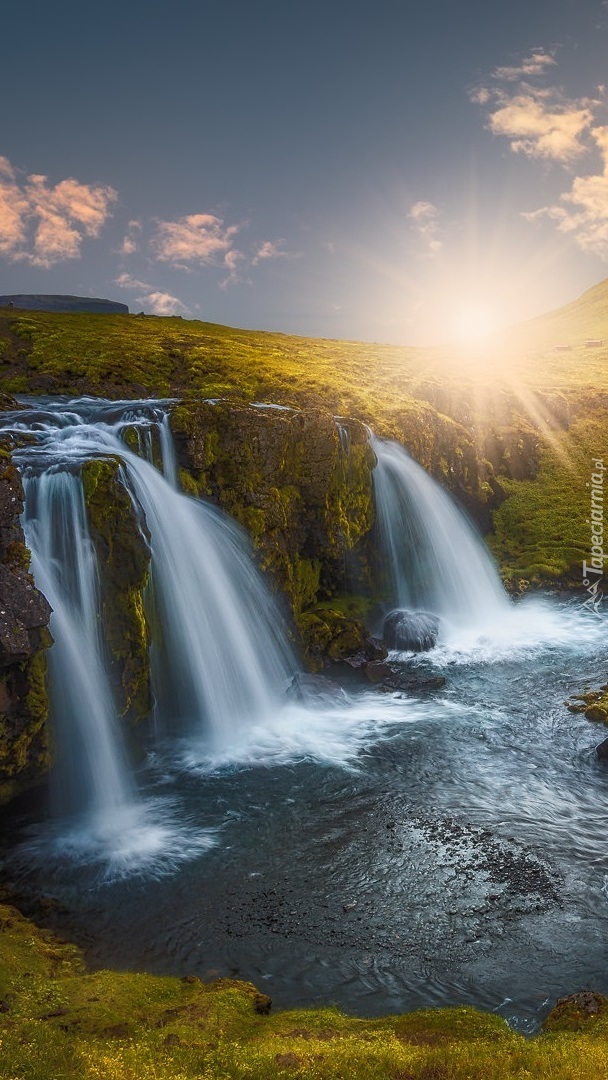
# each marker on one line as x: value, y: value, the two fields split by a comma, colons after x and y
x: 24, y: 747
x: 124, y: 556
x: 59, y: 1020
x: 542, y: 530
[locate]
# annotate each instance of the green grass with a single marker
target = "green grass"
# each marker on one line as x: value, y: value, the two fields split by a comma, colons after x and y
x: 59, y: 1022
x: 542, y: 531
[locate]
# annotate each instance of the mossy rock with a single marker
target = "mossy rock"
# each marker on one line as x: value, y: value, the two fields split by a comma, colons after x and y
x: 331, y: 636
x: 578, y: 1012
x: 124, y: 558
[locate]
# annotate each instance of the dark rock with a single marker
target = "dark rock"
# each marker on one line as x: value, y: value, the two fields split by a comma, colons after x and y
x: 172, y: 1040
x: 576, y: 1011
x: 410, y: 631
x: 314, y: 689
x: 602, y: 750
x: 378, y: 671
x: 24, y: 612
x: 48, y: 302
x: 262, y: 1004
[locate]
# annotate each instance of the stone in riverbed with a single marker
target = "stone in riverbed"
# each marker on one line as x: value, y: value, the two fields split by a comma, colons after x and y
x: 410, y: 631
x: 602, y: 750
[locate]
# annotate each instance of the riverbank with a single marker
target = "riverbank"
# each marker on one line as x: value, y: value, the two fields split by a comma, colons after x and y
x: 58, y: 1020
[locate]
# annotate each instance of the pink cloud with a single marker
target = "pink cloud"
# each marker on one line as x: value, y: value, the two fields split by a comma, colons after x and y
x: 45, y: 224
x: 197, y: 238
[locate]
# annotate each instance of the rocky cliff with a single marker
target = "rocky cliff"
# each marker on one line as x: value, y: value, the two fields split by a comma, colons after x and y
x: 24, y: 636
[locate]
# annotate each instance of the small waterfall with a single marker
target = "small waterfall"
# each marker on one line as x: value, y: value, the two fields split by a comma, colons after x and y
x: 91, y: 775
x: 436, y: 560
x: 222, y: 660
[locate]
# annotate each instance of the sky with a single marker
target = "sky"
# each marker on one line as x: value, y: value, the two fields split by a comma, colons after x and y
x: 382, y: 171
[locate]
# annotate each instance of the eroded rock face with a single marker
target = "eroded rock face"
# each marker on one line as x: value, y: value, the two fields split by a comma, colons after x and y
x: 24, y: 635
x: 410, y: 631
x: 303, y: 493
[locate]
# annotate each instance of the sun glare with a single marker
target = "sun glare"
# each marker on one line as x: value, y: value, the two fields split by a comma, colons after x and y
x: 472, y: 322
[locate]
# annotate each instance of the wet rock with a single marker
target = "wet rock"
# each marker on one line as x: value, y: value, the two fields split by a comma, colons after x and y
x: 410, y: 631
x: 576, y: 1011
x: 24, y: 613
x: 312, y: 689
x: 412, y: 682
x: 602, y: 750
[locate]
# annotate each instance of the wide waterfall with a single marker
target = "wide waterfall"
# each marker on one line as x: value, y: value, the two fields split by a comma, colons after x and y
x: 220, y: 657
x: 436, y: 561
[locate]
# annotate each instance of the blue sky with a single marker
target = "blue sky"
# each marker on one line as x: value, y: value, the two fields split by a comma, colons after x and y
x: 383, y: 171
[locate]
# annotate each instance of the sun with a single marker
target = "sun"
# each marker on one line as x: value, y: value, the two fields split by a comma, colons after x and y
x: 472, y: 322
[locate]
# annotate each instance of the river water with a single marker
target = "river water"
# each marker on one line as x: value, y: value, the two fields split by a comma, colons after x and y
x: 383, y: 851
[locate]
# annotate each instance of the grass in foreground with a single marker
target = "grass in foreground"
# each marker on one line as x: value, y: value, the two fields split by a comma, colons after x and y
x: 59, y: 1022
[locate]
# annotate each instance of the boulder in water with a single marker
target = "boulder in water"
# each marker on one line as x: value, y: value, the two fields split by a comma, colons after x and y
x: 309, y: 689
x: 410, y: 631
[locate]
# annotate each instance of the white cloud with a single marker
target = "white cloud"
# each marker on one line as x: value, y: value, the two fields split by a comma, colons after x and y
x: 162, y: 303
x: 424, y: 217
x: 44, y: 224
x: 233, y: 261
x: 197, y: 238
x: 154, y: 299
x: 539, y: 121
x: 130, y: 243
x: 543, y: 125
x: 582, y: 212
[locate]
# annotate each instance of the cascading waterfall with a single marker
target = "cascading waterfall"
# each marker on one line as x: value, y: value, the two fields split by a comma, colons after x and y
x: 221, y: 660
x: 436, y: 560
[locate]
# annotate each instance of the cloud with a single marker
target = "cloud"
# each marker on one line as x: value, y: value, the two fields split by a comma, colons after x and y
x: 582, y: 212
x: 233, y: 261
x: 154, y: 299
x: 543, y: 126
x: 130, y: 243
x: 543, y: 123
x: 271, y: 249
x: 424, y: 217
x: 539, y: 121
x: 197, y: 238
x: 162, y: 303
x: 535, y: 64
x: 43, y: 224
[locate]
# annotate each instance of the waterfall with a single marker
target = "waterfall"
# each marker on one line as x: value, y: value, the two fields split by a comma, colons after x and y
x: 435, y: 558
x: 90, y: 775
x: 220, y: 659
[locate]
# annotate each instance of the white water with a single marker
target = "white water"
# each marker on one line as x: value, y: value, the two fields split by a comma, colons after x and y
x: 436, y: 560
x: 220, y: 658
x: 91, y: 773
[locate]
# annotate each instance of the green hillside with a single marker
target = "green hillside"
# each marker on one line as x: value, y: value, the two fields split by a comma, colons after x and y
x: 534, y: 401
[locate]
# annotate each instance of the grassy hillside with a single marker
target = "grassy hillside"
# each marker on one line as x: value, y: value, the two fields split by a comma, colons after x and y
x: 535, y: 402
x: 57, y: 1020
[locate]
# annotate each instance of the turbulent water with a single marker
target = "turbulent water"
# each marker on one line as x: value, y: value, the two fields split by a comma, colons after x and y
x: 385, y: 850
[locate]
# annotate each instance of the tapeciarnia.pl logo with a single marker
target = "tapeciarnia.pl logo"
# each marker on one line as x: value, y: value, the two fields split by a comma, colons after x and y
x: 593, y: 571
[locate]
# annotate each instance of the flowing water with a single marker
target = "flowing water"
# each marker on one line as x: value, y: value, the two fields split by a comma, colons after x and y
x: 435, y: 558
x: 384, y: 851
